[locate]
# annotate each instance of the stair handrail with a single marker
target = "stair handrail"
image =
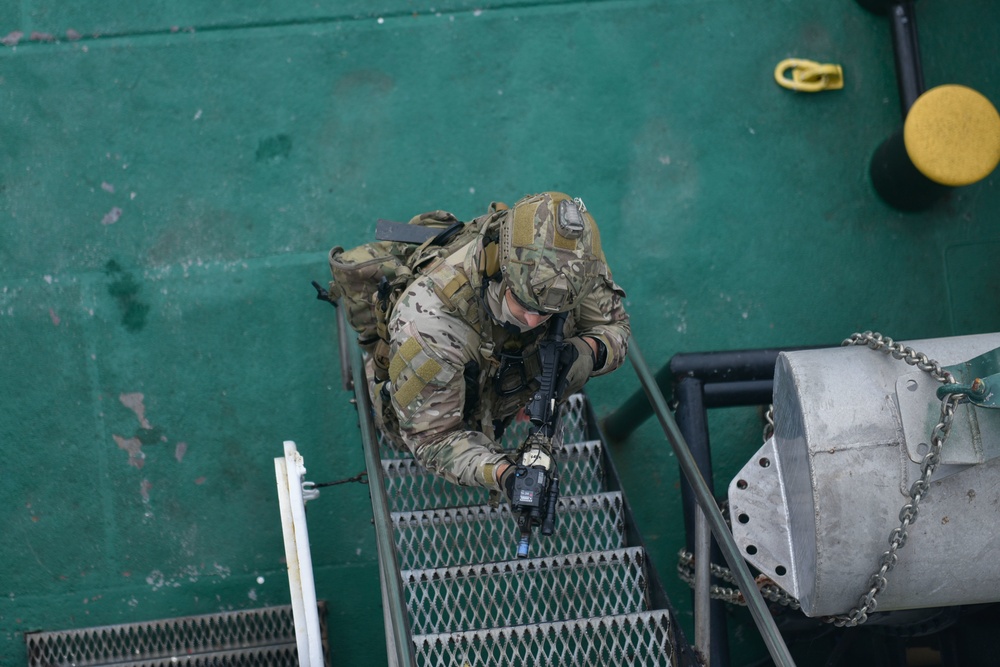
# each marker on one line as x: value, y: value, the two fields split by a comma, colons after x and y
x: 396, y: 615
x: 344, y: 346
x: 710, y: 509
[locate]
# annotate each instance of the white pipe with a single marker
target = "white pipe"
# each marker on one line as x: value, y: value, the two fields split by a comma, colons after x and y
x: 289, y: 472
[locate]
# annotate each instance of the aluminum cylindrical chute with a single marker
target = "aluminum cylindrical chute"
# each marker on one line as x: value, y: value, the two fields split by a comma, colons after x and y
x: 814, y: 507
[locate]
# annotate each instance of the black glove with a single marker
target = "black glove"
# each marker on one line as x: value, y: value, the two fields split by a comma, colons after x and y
x: 581, y: 367
x: 507, y: 482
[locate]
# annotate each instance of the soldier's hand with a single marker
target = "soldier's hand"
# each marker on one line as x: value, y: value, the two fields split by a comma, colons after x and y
x: 507, y: 482
x: 581, y: 367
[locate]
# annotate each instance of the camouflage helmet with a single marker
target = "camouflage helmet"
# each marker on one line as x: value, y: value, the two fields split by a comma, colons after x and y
x: 550, y: 252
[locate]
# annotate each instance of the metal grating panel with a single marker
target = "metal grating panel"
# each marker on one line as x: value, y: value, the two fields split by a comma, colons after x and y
x: 410, y: 487
x: 643, y: 639
x: 465, y: 535
x: 264, y: 637
x: 537, y: 590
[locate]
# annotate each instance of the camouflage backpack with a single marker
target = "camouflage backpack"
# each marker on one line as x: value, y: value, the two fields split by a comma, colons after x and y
x: 369, y: 279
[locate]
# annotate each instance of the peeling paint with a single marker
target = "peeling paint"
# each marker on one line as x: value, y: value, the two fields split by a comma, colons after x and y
x: 191, y: 574
x: 144, y: 490
x: 112, y: 216
x: 134, y: 448
x: 156, y: 580
x: 134, y: 402
x: 12, y: 38
x: 180, y: 450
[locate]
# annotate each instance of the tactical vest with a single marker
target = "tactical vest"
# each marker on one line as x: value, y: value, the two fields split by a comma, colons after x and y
x: 369, y: 279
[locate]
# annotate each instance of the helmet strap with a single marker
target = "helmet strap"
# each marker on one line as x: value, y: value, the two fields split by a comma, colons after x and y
x: 491, y: 260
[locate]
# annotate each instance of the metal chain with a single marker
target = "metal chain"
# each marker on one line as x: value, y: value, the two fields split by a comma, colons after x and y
x: 868, y: 602
x: 771, y: 591
x: 880, y: 343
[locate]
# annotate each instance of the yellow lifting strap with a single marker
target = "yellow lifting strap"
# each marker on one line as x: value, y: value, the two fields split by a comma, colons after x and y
x: 808, y: 76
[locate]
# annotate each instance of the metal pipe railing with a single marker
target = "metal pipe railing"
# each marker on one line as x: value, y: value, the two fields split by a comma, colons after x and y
x: 691, y: 417
x: 398, y: 634
x: 345, y: 351
x: 704, y: 625
x: 906, y: 49
x: 706, y: 501
x: 737, y: 377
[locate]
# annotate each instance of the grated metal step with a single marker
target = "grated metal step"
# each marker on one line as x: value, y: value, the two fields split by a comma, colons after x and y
x: 264, y: 637
x: 465, y: 535
x: 643, y: 638
x: 410, y: 487
x: 557, y: 588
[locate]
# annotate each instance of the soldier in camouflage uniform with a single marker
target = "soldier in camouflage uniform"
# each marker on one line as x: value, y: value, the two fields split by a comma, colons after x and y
x: 463, y: 337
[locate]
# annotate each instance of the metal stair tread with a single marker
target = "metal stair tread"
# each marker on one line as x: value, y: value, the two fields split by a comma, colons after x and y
x: 642, y: 638
x: 409, y: 486
x: 466, y: 535
x: 563, y: 587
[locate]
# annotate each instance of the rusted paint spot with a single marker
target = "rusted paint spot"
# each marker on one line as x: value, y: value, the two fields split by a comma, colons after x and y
x: 134, y: 402
x: 112, y: 216
x: 180, y: 450
x: 54, y: 317
x: 12, y: 38
x: 134, y: 448
x: 199, y: 481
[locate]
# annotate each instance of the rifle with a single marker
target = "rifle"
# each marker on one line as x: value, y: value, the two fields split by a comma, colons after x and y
x: 536, y: 481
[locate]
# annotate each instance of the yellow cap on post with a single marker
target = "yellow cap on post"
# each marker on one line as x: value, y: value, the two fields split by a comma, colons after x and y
x: 952, y: 135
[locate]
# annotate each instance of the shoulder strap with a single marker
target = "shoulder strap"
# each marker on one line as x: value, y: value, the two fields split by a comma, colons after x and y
x: 387, y: 230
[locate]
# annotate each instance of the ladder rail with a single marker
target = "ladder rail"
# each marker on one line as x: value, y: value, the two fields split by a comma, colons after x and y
x: 706, y: 502
x: 398, y: 635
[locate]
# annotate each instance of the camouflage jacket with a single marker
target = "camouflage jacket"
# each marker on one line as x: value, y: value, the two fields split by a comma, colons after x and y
x: 455, y: 374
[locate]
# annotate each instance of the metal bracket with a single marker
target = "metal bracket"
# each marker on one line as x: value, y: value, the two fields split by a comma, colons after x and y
x: 754, y: 493
x: 978, y: 378
x: 975, y: 434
